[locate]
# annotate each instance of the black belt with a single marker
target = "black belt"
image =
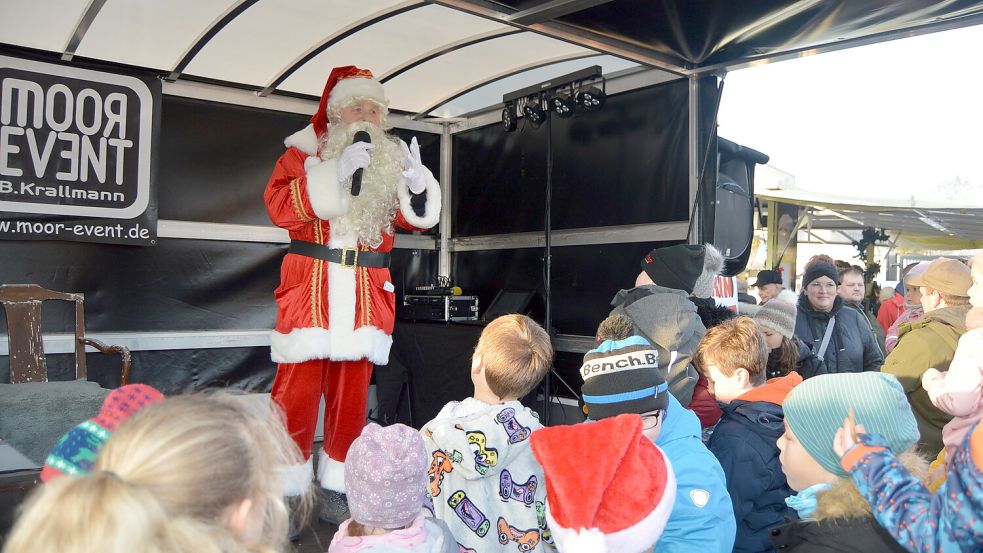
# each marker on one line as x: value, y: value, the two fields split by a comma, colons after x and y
x: 346, y: 257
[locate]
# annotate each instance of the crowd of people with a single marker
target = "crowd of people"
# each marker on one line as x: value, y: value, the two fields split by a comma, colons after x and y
x: 819, y: 442
x: 812, y: 426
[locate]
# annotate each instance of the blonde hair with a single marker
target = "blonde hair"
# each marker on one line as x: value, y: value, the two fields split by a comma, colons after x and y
x: 734, y: 344
x: 169, y: 480
x: 101, y: 513
x: 615, y: 327
x: 516, y: 353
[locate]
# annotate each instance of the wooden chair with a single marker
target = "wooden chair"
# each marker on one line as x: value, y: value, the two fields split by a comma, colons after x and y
x: 22, y: 304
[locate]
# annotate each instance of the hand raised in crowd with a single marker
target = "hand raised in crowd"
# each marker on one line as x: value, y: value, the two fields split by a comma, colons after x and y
x: 846, y: 437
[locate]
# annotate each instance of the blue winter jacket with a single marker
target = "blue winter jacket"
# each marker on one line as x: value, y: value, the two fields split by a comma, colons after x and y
x: 948, y: 520
x: 744, y: 443
x: 702, y: 520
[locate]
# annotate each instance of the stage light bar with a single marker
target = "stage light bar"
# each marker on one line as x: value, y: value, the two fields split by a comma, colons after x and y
x: 591, y: 98
x: 509, y: 118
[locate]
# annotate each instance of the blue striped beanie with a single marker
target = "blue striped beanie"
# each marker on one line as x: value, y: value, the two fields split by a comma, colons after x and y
x: 623, y: 376
x: 816, y: 408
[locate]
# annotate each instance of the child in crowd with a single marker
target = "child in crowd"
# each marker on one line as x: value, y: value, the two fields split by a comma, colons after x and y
x: 834, y: 516
x: 627, y: 376
x: 385, y: 479
x: 76, y: 451
x: 732, y: 356
x: 619, y: 327
x: 190, y: 474
x: 949, y: 520
x: 483, y: 479
x: 607, y: 507
x: 904, y: 307
x: 787, y: 353
x: 959, y: 391
x: 703, y: 403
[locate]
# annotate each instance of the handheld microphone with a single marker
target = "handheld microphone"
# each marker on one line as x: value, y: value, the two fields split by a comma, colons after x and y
x: 360, y: 136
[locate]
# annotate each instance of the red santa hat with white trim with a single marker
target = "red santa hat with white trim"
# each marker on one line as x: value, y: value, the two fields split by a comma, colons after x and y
x: 619, y: 502
x: 344, y: 84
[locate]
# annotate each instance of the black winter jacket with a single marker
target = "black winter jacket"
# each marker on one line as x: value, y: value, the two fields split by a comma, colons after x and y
x: 852, y: 347
x: 853, y: 535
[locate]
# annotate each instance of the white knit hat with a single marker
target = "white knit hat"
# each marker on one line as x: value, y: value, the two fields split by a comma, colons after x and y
x: 713, y: 263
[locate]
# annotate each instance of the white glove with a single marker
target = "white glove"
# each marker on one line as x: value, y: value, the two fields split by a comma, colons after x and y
x: 415, y: 174
x: 352, y: 158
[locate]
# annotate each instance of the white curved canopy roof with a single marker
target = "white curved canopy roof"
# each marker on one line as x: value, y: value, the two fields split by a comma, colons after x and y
x: 433, y: 59
x: 448, y: 58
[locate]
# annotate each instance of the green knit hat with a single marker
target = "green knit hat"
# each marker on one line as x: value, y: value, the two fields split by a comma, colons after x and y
x: 816, y: 408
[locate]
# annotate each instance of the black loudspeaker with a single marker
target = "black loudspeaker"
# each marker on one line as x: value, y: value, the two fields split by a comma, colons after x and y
x: 733, y: 219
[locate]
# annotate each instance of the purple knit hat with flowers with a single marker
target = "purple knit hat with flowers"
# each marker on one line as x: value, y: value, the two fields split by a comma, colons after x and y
x: 386, y: 476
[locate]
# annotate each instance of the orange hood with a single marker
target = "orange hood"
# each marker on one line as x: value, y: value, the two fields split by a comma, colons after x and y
x: 773, y: 391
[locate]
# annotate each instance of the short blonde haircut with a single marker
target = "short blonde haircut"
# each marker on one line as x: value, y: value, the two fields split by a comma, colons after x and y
x: 615, y: 327
x: 516, y: 353
x: 167, y: 481
x: 734, y: 344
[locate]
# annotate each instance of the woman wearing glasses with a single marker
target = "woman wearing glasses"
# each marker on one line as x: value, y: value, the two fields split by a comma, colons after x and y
x: 839, y: 337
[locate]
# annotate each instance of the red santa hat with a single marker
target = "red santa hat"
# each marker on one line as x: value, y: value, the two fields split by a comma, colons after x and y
x: 344, y: 84
x: 618, y: 505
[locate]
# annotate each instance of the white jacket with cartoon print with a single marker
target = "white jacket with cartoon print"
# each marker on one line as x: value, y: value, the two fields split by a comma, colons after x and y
x: 484, y: 482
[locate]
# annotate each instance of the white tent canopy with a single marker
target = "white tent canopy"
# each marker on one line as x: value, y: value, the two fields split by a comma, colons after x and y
x: 938, y: 224
x: 451, y: 58
x: 433, y: 59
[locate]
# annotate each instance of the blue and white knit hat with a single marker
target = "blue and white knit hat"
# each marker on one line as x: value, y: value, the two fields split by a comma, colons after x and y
x: 815, y: 410
x: 623, y: 376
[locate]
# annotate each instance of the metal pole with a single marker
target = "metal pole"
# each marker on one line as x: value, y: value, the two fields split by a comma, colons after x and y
x: 547, y: 261
x: 694, y: 157
x: 446, y: 171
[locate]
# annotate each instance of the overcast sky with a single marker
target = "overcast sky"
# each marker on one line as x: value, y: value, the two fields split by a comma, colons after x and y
x: 894, y: 119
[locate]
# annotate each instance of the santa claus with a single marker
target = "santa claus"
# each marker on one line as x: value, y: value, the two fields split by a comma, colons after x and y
x: 336, y: 300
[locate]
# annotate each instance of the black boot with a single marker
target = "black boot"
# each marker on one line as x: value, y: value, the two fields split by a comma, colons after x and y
x: 334, y: 507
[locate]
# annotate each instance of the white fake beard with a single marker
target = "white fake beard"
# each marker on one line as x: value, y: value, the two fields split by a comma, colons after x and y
x: 373, y: 211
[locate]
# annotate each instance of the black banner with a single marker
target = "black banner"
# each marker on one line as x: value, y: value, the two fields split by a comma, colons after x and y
x: 77, y: 154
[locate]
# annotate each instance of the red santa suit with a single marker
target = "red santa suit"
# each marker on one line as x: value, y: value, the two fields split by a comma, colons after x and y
x: 334, y: 320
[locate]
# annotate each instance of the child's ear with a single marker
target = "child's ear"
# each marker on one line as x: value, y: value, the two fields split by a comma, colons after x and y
x: 743, y: 376
x: 238, y: 518
x: 476, y: 365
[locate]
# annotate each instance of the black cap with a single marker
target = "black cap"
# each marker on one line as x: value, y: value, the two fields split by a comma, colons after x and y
x: 768, y: 276
x: 678, y: 266
x: 820, y: 269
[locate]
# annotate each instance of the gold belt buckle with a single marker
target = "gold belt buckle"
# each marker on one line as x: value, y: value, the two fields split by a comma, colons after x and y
x: 344, y: 258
